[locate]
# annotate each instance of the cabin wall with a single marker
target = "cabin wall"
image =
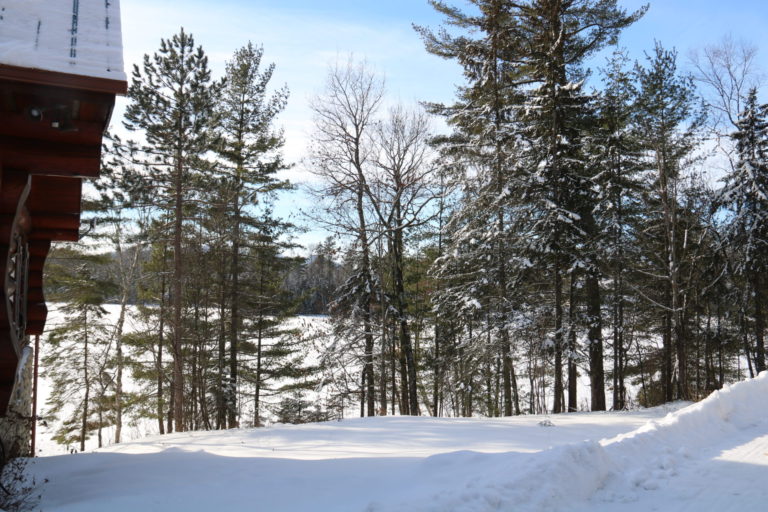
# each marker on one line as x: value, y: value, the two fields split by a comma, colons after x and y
x: 61, y: 64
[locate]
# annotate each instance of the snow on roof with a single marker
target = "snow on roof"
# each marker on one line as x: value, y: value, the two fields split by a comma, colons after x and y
x: 79, y: 37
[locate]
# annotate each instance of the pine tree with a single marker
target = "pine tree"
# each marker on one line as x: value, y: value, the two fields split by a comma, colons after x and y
x: 250, y: 148
x: 561, y: 35
x: 77, y: 360
x: 272, y: 351
x: 615, y: 154
x: 172, y: 102
x: 669, y: 120
x: 484, y: 139
x: 525, y: 78
x: 745, y: 194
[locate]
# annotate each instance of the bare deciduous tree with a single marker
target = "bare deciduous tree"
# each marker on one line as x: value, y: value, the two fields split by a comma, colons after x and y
x: 340, y: 156
x: 726, y: 71
x: 404, y: 189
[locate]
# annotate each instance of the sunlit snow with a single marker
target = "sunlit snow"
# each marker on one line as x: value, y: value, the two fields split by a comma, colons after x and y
x: 708, y: 456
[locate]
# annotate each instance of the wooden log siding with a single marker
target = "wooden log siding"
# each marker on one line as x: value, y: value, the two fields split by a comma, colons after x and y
x: 51, y: 127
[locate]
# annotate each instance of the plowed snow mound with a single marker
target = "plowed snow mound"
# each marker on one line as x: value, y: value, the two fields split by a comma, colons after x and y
x: 712, y: 456
x: 626, y: 468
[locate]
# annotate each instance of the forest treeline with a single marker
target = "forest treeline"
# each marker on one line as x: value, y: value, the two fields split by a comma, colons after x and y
x: 604, y: 221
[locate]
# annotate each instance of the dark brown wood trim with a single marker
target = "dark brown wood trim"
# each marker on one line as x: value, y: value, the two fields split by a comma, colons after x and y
x: 81, y: 132
x: 49, y: 158
x: 54, y: 78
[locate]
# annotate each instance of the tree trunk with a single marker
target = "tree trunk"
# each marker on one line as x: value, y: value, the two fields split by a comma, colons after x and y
x: 573, y: 401
x: 87, y: 382
x: 160, y: 340
x: 667, y: 368
x: 257, y: 387
x: 127, y: 280
x: 558, y: 348
x: 169, y: 414
x: 410, y: 391
x: 176, y: 302
x: 365, y: 271
x: 261, y: 313
x: 223, y: 383
x: 757, y: 290
x: 235, y: 311
x: 595, y: 339
x: 383, y: 370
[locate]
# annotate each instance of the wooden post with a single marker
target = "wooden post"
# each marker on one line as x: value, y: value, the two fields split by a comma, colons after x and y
x: 34, y: 397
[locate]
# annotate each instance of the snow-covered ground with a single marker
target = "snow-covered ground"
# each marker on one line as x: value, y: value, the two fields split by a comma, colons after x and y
x: 708, y: 456
x: 135, y: 427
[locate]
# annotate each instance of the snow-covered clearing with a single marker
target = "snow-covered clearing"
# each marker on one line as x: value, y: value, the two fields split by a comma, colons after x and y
x: 708, y: 456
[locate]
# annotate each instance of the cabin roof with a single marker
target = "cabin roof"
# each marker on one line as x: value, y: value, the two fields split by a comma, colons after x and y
x: 74, y: 37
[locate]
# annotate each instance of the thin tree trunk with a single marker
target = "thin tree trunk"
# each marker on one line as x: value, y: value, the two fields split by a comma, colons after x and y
x: 259, y: 346
x: 160, y: 340
x: 573, y: 401
x: 404, y: 402
x: 176, y: 302
x: 367, y: 278
x: 558, y: 398
x: 393, y: 370
x: 127, y: 279
x: 257, y: 387
x: 404, y: 330
x: 595, y: 339
x: 234, y: 330
x: 223, y: 383
x: 87, y: 382
x: 169, y: 415
x: 759, y: 314
x: 383, y: 369
x: 745, y: 338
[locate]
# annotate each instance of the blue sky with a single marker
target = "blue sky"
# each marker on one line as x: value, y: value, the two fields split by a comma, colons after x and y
x: 304, y: 36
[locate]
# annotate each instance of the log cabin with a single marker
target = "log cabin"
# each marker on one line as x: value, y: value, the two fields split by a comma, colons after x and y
x: 61, y: 66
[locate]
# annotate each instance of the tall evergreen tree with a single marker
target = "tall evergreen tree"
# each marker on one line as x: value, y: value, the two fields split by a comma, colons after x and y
x: 172, y: 103
x: 78, y: 357
x: 526, y: 75
x: 745, y: 194
x: 484, y: 139
x: 250, y: 147
x: 560, y: 35
x: 617, y: 159
x: 669, y: 120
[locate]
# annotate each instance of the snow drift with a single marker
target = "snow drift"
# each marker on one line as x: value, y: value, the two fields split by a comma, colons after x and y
x: 708, y: 456
x: 618, y: 469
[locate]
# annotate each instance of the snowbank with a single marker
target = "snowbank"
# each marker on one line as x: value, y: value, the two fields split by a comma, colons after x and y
x: 621, y: 468
x: 655, y: 450
x: 338, y: 466
x: 80, y: 37
x: 709, y: 456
